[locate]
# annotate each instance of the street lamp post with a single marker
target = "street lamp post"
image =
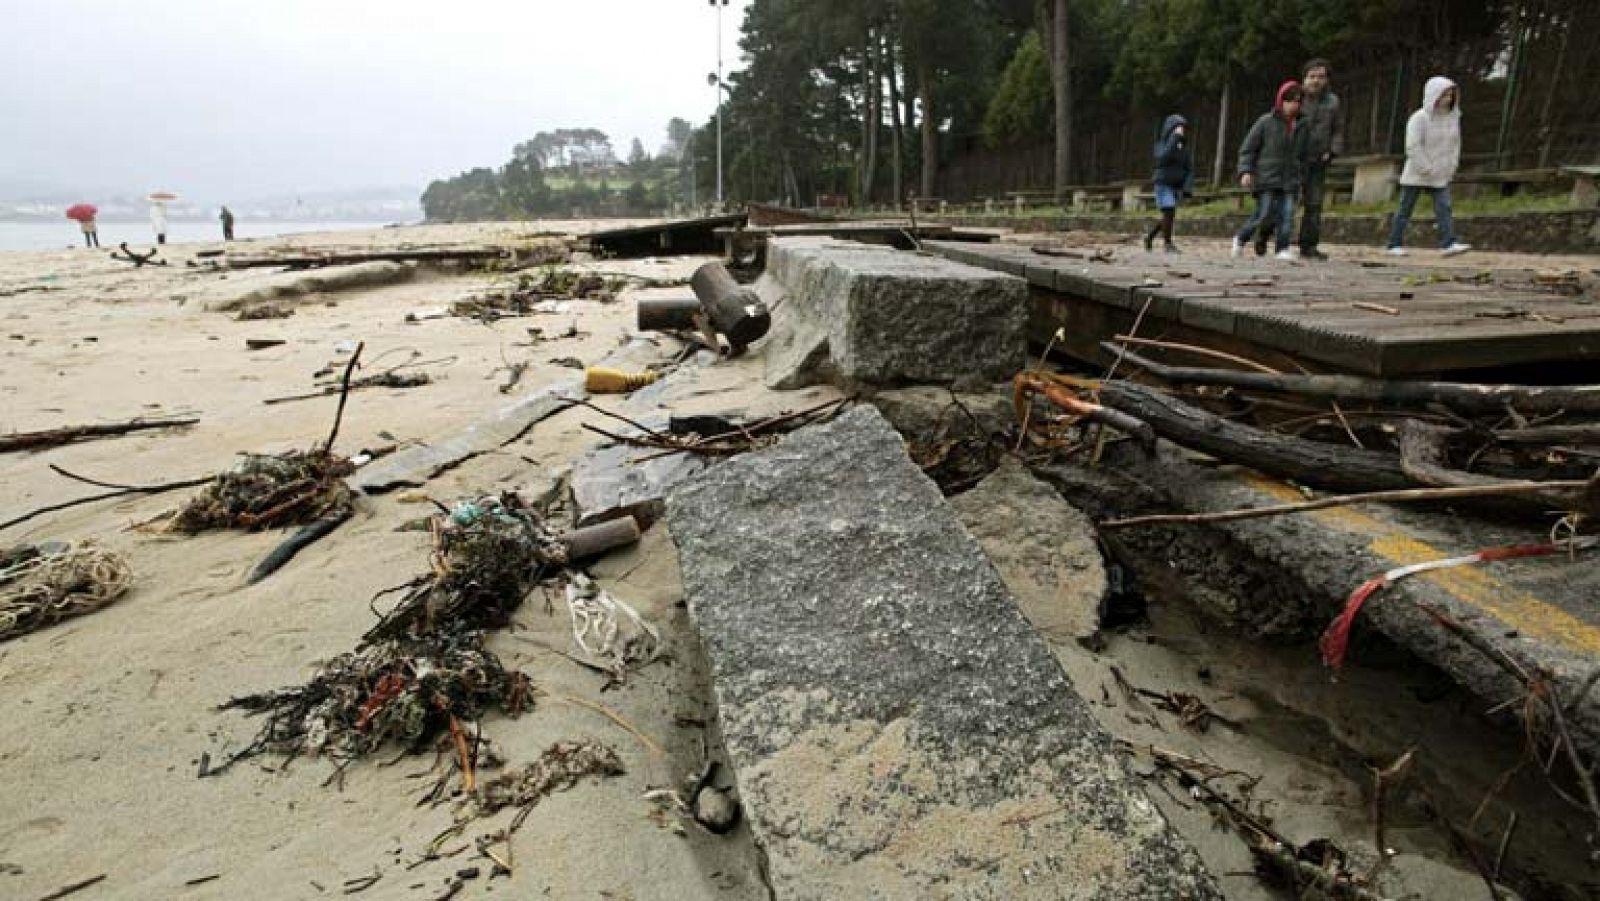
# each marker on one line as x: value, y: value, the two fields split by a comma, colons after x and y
x: 717, y: 83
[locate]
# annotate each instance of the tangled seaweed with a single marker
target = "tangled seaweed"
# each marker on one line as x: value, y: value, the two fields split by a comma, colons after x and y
x: 487, y: 555
x: 406, y: 691
x: 266, y: 490
x: 43, y: 586
x: 532, y: 288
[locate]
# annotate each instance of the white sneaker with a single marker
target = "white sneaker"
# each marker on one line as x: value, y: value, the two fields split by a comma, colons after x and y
x: 1287, y: 255
x: 1396, y: 251
x: 1238, y: 248
x: 1456, y: 248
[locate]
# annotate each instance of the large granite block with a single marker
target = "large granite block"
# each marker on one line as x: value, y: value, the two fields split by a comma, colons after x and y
x: 897, y: 727
x: 860, y: 314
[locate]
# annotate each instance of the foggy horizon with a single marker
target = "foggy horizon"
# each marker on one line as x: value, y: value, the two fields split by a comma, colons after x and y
x: 222, y: 99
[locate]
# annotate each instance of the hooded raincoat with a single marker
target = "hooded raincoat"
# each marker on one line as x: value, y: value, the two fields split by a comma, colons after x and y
x: 1174, y: 162
x: 1433, y: 139
x: 1275, y: 149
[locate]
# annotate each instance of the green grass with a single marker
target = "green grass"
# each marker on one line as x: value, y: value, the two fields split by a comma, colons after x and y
x: 1486, y: 205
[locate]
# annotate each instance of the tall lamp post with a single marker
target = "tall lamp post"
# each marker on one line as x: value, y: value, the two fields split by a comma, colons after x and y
x: 716, y: 83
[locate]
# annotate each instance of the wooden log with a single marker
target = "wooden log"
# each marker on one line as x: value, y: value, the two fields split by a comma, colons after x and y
x: 18, y: 441
x: 312, y: 260
x: 1463, y: 397
x: 1307, y: 462
x: 733, y: 309
x: 658, y: 314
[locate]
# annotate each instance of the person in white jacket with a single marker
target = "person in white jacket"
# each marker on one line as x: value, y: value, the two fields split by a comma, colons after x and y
x: 158, y: 220
x: 1433, y: 151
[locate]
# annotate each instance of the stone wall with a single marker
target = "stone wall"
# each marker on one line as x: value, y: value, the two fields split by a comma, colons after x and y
x: 1568, y: 231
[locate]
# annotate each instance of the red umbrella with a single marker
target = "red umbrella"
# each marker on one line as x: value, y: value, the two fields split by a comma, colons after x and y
x: 82, y: 212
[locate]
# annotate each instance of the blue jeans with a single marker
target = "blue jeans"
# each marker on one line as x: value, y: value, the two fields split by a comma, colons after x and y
x: 1443, y: 215
x: 1166, y: 197
x: 1274, y: 209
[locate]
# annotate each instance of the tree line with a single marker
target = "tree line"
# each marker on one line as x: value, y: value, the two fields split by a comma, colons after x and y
x: 866, y: 99
x: 568, y: 172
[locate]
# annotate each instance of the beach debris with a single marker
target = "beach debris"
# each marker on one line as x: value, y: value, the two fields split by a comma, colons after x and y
x: 268, y: 490
x: 20, y: 441
x: 117, y: 491
x: 308, y: 259
x: 263, y: 343
x: 139, y: 260
x: 657, y: 314
x: 72, y: 888
x: 514, y: 373
x: 728, y: 309
x: 717, y: 442
x: 544, y: 291
x: 568, y: 362
x: 488, y: 553
x: 559, y: 768
x: 388, y: 379
x: 264, y: 311
x: 44, y: 584
x: 603, y: 380
x: 715, y: 809
x: 304, y: 537
x: 408, y: 691
x: 609, y: 630
x: 594, y: 540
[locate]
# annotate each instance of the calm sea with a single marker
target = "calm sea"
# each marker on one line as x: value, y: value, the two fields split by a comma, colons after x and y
x: 57, y: 235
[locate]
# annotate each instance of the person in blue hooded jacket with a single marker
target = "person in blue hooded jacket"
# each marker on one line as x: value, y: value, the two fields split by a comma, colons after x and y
x: 1174, y: 177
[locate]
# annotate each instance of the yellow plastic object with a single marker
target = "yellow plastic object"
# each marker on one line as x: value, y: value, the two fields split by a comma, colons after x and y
x: 599, y: 380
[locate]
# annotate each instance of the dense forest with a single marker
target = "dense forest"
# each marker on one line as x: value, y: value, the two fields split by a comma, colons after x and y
x: 869, y: 102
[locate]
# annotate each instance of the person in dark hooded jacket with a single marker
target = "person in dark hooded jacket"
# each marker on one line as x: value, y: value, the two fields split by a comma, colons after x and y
x: 1271, y: 160
x: 1174, y: 177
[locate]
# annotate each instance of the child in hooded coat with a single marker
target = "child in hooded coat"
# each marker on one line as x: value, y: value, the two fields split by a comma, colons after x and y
x: 1270, y: 162
x: 1433, y: 151
x: 1174, y: 177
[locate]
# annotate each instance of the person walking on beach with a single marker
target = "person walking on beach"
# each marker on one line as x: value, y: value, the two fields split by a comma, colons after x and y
x: 1174, y: 177
x: 227, y: 224
x: 158, y: 221
x: 91, y: 232
x: 1270, y: 162
x: 1433, y: 151
x: 1322, y: 116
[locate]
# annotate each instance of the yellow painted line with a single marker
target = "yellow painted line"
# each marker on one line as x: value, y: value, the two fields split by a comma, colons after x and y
x: 1527, y: 613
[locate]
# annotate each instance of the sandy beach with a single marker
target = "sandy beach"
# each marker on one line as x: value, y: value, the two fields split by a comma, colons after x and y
x: 114, y: 711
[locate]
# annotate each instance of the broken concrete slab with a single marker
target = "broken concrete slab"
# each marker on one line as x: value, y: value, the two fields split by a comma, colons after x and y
x: 610, y: 482
x: 242, y: 291
x: 1043, y: 547
x: 417, y: 464
x: 925, y: 413
x: 1286, y: 577
x: 858, y: 314
x: 897, y: 728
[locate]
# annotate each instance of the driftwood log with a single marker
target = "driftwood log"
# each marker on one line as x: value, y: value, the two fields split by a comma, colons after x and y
x: 1307, y: 462
x: 20, y: 441
x: 312, y: 260
x: 1462, y: 397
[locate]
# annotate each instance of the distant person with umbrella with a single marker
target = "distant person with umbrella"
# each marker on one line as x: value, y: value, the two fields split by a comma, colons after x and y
x: 83, y: 214
x: 227, y: 224
x: 158, y: 213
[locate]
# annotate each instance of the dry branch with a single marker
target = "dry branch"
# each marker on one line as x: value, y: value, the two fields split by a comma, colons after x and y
x: 18, y: 441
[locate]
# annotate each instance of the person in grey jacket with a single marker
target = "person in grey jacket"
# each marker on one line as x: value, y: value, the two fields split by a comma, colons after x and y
x: 1270, y: 164
x: 1322, y: 115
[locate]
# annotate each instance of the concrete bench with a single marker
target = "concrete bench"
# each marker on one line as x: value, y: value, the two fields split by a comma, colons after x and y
x: 1585, y: 192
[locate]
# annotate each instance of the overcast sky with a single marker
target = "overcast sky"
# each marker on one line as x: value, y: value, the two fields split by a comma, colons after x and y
x: 244, y: 98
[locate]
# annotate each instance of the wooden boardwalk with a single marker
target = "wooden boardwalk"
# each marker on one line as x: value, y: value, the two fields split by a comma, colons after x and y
x: 1365, y: 318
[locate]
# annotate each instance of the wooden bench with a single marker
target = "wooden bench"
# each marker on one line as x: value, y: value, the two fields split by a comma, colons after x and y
x: 1585, y: 191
